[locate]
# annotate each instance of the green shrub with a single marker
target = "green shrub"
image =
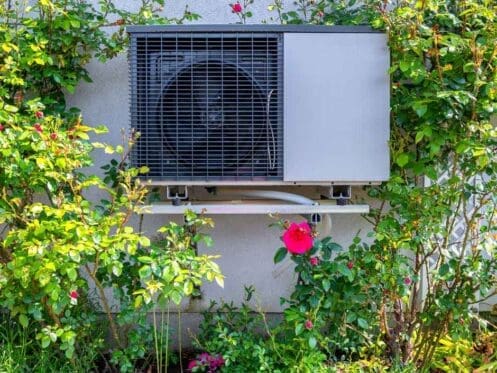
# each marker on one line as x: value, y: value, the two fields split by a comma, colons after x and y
x: 55, y: 243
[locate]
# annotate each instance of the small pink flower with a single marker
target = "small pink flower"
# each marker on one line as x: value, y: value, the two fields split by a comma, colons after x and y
x: 217, y: 362
x: 350, y: 265
x: 236, y: 8
x: 192, y: 364
x: 314, y: 261
x: 39, y: 114
x: 2, y: 127
x: 320, y: 14
x: 204, y: 357
x: 74, y: 294
x: 298, y: 238
x: 308, y: 324
x: 53, y: 136
x: 37, y: 127
x: 407, y: 281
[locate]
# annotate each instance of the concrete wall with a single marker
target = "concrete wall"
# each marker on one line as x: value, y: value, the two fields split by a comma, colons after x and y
x: 245, y: 243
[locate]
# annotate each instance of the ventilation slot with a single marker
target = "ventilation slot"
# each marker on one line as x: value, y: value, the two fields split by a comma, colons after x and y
x: 208, y: 106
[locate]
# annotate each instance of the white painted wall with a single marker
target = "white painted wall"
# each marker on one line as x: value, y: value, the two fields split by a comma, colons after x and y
x: 245, y: 243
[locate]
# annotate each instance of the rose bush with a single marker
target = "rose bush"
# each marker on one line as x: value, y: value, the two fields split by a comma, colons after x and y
x: 65, y: 259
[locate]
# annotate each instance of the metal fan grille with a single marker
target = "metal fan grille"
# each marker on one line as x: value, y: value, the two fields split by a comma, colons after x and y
x: 207, y: 106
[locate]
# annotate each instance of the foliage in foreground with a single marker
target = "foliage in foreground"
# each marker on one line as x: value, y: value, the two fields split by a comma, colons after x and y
x: 57, y: 244
x: 437, y: 214
x: 331, y: 323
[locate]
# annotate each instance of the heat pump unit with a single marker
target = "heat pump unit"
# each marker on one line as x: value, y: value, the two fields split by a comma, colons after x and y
x: 260, y: 104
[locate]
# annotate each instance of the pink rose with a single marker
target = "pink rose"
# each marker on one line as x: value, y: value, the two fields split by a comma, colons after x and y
x: 407, y: 281
x: 39, y: 114
x: 308, y: 324
x: 236, y: 8
x: 74, y: 294
x: 314, y: 261
x: 298, y: 238
x: 37, y: 127
x: 53, y: 136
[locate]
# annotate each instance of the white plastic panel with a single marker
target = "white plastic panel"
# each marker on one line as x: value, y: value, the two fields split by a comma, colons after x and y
x: 336, y: 108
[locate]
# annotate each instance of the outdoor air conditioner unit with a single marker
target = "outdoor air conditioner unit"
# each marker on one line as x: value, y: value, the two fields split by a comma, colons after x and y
x: 260, y: 104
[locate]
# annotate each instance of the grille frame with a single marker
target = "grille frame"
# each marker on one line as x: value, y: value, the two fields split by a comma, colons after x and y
x: 168, y: 163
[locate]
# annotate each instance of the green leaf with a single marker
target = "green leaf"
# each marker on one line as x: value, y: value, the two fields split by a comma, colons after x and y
x: 362, y: 323
x: 402, y: 159
x: 145, y: 272
x: 188, y: 287
x: 23, y: 320
x: 299, y: 328
x: 45, y: 341
x: 444, y: 269
x: 312, y: 341
x: 145, y: 259
x: 138, y: 302
x: 144, y: 241
x: 280, y: 255
x: 72, y: 274
x: 10, y: 108
x: 404, y: 65
x: 344, y: 270
x: 420, y: 108
x: 176, y: 297
x: 219, y: 281
x: 351, y: 317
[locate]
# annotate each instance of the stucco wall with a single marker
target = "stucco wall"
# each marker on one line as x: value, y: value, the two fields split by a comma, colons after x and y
x: 245, y: 243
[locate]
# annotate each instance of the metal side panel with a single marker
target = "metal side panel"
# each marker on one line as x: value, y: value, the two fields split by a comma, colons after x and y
x: 336, y: 108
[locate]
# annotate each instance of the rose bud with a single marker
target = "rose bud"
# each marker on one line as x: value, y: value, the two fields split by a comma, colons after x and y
x: 37, y: 127
x: 350, y: 265
x: 2, y: 127
x: 53, y: 136
x: 39, y: 114
x: 308, y: 324
x: 314, y: 261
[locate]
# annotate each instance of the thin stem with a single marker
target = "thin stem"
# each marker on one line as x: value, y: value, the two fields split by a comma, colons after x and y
x: 107, y: 309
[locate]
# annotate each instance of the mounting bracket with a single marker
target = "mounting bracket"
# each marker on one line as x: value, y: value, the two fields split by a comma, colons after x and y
x: 340, y: 193
x: 175, y: 195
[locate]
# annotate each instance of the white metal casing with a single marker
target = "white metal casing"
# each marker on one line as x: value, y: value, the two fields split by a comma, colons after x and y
x: 336, y: 107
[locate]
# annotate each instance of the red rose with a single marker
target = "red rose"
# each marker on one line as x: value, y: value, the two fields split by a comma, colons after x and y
x: 2, y: 127
x: 39, y: 114
x: 236, y: 8
x: 53, y: 136
x: 314, y: 261
x: 74, y: 294
x: 37, y: 127
x: 308, y: 324
x: 350, y: 265
x: 298, y: 238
